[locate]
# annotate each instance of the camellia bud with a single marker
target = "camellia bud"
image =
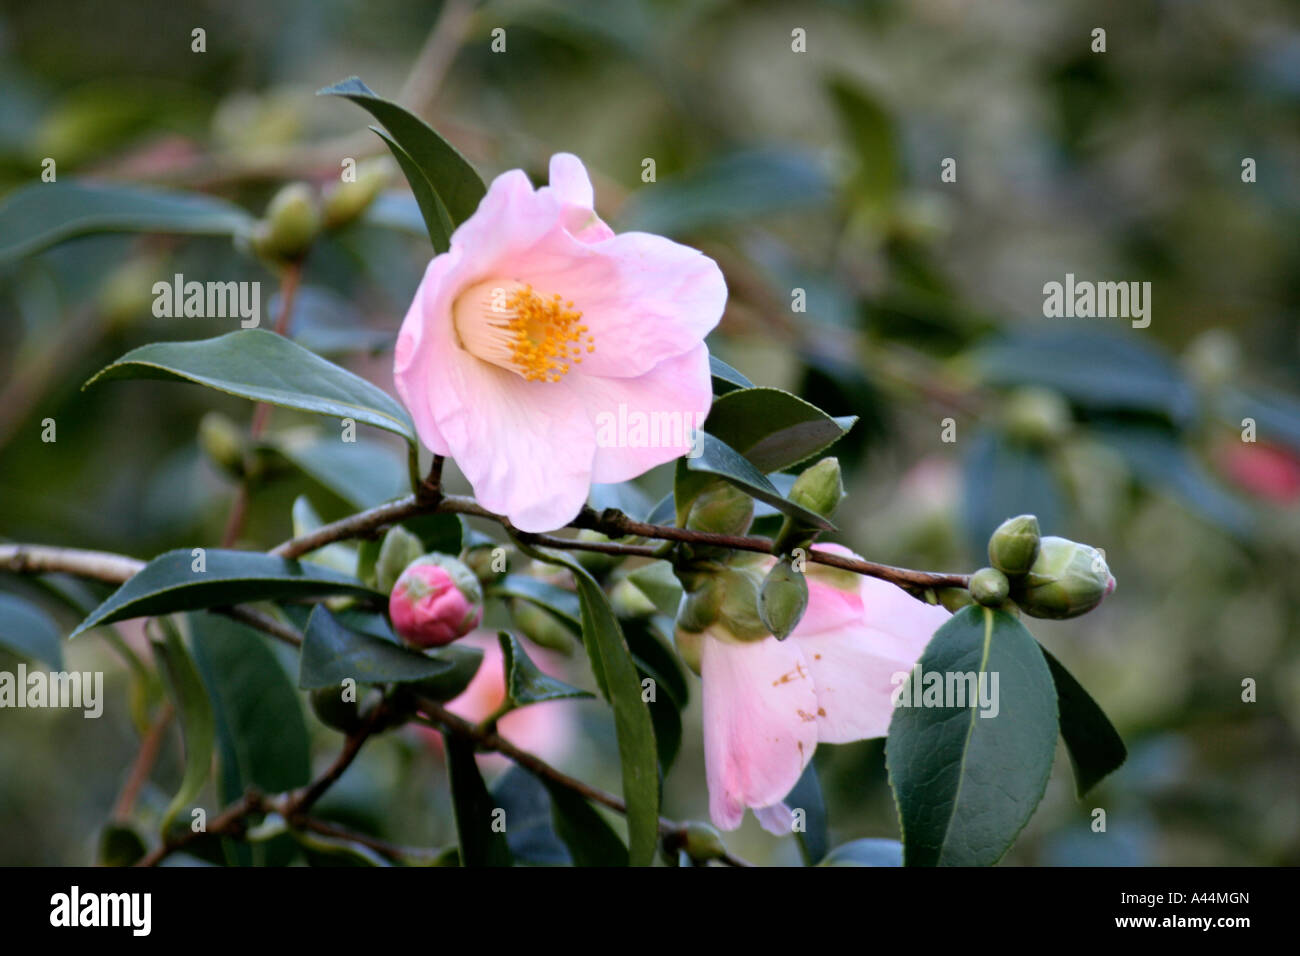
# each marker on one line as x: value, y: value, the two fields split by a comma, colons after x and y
x: 628, y: 600
x: 398, y: 550
x: 334, y: 711
x: 597, y: 563
x: 782, y: 599
x: 989, y: 586
x: 1013, y: 548
x: 700, y: 608
x: 702, y: 842
x: 1036, y: 415
x: 1067, y: 580
x: 223, y: 442
x: 721, y: 509
x: 954, y: 599
x: 541, y: 626
x: 290, y: 225
x: 344, y: 202
x: 819, y: 488
x: 689, y: 645
x: 436, y: 600
x: 741, y: 584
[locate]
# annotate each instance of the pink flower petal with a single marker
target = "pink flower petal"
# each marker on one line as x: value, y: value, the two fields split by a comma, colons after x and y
x: 643, y: 422
x: 777, y: 819
x: 760, y: 724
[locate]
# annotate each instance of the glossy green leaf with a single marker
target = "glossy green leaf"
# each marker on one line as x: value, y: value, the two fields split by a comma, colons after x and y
x: 772, y: 428
x: 364, y: 473
x: 867, y: 852
x: 171, y: 583
x: 655, y: 661
x: 332, y: 653
x: 1095, y: 746
x: 526, y: 683
x: 530, y: 829
x: 726, y: 378
x: 557, y: 600
x: 587, y: 834
x: 437, y: 221
x: 616, y: 676
x: 265, y: 367
x: 478, y: 824
x: 657, y: 582
x: 38, y: 216
x: 967, y: 778
x: 197, y: 722
x: 717, y: 459
x: 458, y: 187
x: 29, y: 632
x: 262, y: 738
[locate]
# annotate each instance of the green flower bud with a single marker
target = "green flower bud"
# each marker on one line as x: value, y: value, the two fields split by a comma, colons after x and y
x: 541, y: 626
x: 989, y: 586
x: 689, y: 645
x: 399, y: 549
x: 127, y: 293
x: 701, y: 607
x: 289, y: 226
x: 1067, y: 579
x: 1036, y: 416
x: 1213, y: 358
x: 597, y: 563
x: 739, y: 616
x: 819, y: 488
x: 702, y: 842
x: 344, y: 202
x: 721, y: 509
x: 783, y: 599
x: 954, y: 599
x: 628, y: 600
x: 481, y: 561
x: 328, y: 705
x: 223, y: 442
x: 1014, y: 545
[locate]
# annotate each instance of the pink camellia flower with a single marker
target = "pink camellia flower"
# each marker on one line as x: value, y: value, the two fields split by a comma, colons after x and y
x: 544, y: 353
x: 1266, y: 471
x: 768, y: 703
x: 436, y: 600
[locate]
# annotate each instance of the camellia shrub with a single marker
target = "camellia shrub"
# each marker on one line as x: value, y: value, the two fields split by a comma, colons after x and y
x: 544, y: 354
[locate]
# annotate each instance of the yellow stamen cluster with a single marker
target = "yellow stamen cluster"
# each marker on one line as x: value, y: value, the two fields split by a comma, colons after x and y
x: 547, y: 336
x: 512, y: 326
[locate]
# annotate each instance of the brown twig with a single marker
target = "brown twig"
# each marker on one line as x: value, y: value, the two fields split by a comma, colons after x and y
x: 144, y: 761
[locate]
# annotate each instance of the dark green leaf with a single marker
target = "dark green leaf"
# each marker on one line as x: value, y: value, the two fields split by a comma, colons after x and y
x: 265, y: 367
x: 363, y: 473
x: 458, y: 187
x: 589, y: 837
x: 262, y: 736
x: 526, y: 683
x: 197, y: 721
x: 868, y: 852
x: 807, y: 796
x: 772, y: 428
x: 37, y: 216
x: 967, y: 783
x: 555, y: 599
x: 444, y: 533
x: 478, y: 824
x: 726, y: 378
x: 169, y: 583
x: 719, y: 459
x: 870, y: 132
x: 119, y: 845
x: 529, y: 827
x: 1095, y: 746
x: 331, y: 654
x: 29, y: 632
x: 437, y: 221
x: 619, y: 682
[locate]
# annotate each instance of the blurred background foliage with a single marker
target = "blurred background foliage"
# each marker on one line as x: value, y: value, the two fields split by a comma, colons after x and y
x: 817, y: 171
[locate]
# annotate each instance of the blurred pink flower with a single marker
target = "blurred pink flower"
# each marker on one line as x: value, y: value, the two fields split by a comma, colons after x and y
x: 540, y: 332
x: 1265, y: 471
x: 546, y: 730
x: 768, y: 703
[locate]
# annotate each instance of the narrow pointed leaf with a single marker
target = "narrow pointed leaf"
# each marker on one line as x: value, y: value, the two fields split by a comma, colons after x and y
x: 588, y: 835
x: 265, y: 367
x: 526, y: 683
x: 28, y: 631
x: 332, y: 653
x: 482, y: 842
x: 197, y: 722
x: 1095, y: 746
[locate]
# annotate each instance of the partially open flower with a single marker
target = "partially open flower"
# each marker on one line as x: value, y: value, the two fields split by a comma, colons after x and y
x: 768, y: 703
x: 436, y: 600
x: 544, y: 353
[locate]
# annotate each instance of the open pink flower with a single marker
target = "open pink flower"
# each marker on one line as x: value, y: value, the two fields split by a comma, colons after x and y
x: 544, y: 353
x: 768, y: 703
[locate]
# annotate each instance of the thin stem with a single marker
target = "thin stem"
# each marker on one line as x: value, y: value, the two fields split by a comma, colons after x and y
x: 144, y: 761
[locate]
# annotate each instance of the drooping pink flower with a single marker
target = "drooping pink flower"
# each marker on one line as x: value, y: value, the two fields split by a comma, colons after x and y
x: 544, y: 353
x: 436, y: 600
x: 768, y: 703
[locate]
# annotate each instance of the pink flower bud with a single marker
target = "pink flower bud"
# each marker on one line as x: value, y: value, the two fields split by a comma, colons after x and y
x: 436, y: 600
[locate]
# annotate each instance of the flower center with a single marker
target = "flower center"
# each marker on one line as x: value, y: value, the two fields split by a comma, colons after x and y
x: 510, y: 325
